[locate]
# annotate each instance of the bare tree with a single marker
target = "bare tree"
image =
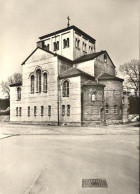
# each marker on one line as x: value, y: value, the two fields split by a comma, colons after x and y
x: 15, y: 78
x: 131, y: 70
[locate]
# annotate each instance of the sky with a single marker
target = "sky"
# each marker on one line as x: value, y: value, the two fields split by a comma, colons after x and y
x: 113, y: 23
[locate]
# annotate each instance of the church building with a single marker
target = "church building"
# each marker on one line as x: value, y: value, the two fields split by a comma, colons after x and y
x: 65, y: 81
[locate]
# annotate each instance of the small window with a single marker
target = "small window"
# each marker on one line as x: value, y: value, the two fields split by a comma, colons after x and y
x: 45, y: 82
x: 76, y: 43
x: 20, y: 111
x: 16, y: 111
x: 68, y: 42
x: 18, y: 93
x: 32, y: 84
x: 68, y: 110
x: 93, y: 97
x: 115, y: 109
x: 48, y: 47
x: 105, y: 57
x: 28, y: 111
x: 66, y: 89
x: 85, y: 47
x: 106, y: 109
x: 42, y: 110
x: 64, y: 43
x: 57, y: 45
x: 63, y: 110
x: 49, y: 110
x: 35, y: 110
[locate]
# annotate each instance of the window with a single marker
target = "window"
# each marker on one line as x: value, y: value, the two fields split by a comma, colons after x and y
x: 115, y: 109
x: 93, y: 97
x: 20, y: 111
x: 85, y: 47
x: 57, y: 45
x: 38, y: 81
x: 66, y: 43
x: 28, y: 111
x: 76, y: 43
x: 45, y: 82
x: 35, y: 111
x: 42, y: 110
x: 63, y: 110
x: 106, y: 109
x: 54, y: 46
x: 32, y: 84
x: 48, y: 47
x: 66, y: 89
x: 49, y: 110
x: 18, y: 93
x: 16, y: 111
x: 105, y: 57
x: 68, y: 110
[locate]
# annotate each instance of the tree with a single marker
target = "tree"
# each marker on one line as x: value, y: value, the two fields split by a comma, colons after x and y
x: 15, y: 78
x: 131, y: 70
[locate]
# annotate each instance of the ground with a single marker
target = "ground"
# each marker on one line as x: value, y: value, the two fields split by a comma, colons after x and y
x: 37, y: 159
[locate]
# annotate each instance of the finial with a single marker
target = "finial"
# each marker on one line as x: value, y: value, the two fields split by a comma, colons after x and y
x: 68, y: 21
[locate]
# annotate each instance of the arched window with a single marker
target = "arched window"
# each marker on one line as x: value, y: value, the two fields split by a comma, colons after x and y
x: 48, y: 47
x: 68, y: 42
x: 66, y: 89
x: 45, y: 82
x: 32, y: 84
x: 18, y: 93
x: 38, y: 81
x: 76, y: 43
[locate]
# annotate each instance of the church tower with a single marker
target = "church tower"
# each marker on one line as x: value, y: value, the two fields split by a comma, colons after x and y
x: 70, y: 42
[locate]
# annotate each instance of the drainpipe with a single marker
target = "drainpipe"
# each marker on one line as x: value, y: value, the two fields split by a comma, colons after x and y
x: 58, y: 92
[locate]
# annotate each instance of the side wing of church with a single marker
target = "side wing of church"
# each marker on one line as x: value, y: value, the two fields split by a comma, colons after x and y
x: 66, y: 82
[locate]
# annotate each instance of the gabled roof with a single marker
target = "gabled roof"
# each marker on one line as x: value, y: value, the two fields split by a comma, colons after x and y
x: 34, y: 52
x: 66, y: 29
x: 88, y: 57
x: 91, y: 57
x: 106, y: 76
x: 93, y: 83
x: 16, y: 84
x: 55, y: 54
x: 72, y: 72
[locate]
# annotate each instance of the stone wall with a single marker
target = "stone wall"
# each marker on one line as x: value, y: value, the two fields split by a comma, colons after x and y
x: 113, y: 96
x: 74, y: 100
x: 92, y: 108
x: 101, y: 66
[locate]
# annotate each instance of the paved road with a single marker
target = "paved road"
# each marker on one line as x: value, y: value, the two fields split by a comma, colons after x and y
x: 56, y: 164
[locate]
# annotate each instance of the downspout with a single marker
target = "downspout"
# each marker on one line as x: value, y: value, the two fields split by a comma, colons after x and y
x: 58, y: 92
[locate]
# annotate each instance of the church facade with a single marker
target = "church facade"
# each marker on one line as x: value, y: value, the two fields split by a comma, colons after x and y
x: 66, y: 82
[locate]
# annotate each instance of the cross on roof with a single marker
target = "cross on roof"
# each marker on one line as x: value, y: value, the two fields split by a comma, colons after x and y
x: 68, y: 21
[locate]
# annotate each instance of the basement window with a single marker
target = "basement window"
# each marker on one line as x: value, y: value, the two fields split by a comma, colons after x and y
x: 106, y: 109
x: 115, y: 109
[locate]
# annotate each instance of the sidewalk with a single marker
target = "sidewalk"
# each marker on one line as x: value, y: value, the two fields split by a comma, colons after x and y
x: 7, y: 129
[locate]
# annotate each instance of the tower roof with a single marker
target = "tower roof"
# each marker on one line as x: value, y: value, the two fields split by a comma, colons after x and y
x: 66, y: 29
